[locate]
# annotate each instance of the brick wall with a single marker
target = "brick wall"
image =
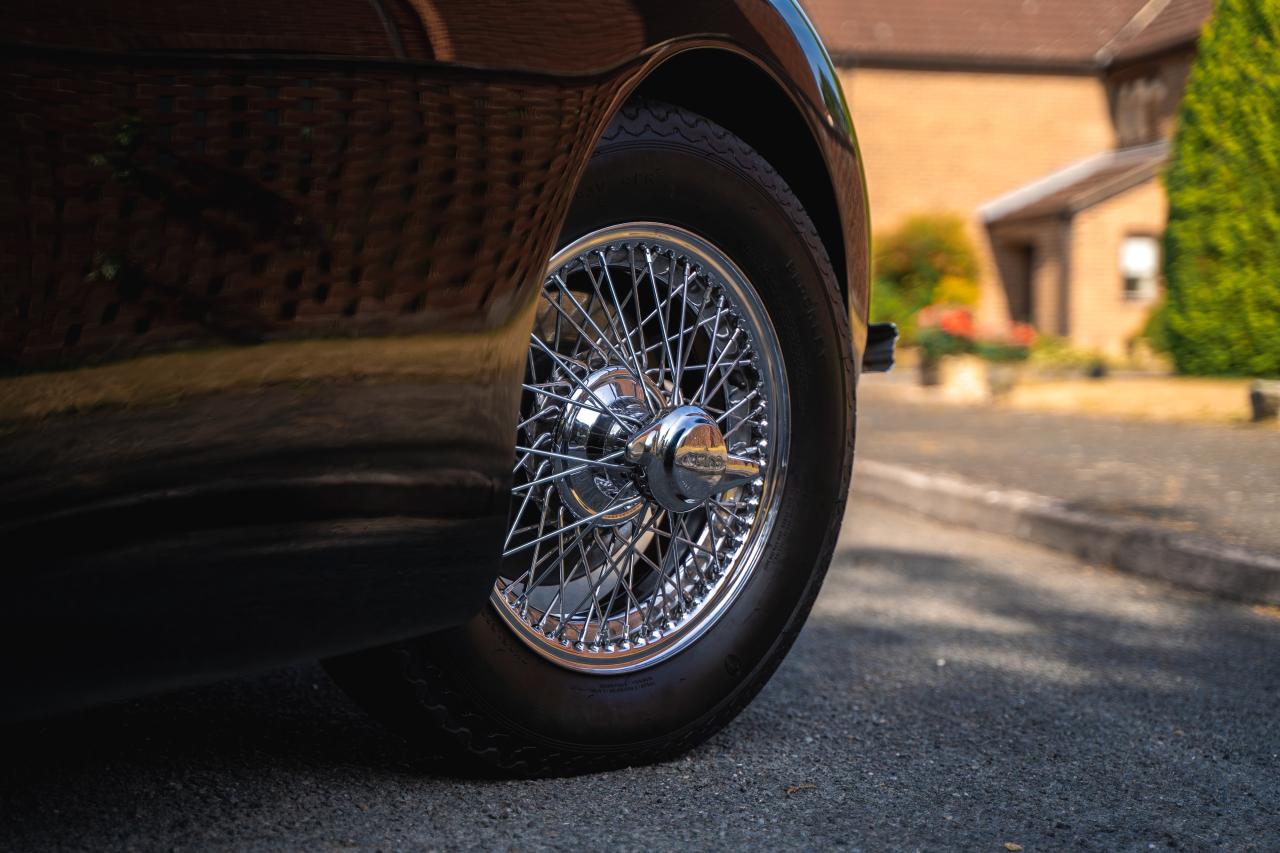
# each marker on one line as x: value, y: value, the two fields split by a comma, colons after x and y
x: 1101, y: 316
x: 948, y: 141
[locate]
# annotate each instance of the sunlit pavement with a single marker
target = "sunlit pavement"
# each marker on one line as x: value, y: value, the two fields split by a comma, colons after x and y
x: 952, y: 690
x: 1217, y: 481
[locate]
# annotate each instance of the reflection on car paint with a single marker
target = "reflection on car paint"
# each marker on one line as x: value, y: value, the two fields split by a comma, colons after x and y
x: 266, y: 278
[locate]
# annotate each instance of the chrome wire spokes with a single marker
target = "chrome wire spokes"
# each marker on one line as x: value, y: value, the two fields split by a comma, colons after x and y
x: 648, y: 450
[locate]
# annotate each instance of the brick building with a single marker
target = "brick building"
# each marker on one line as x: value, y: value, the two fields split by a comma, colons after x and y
x: 1044, y: 123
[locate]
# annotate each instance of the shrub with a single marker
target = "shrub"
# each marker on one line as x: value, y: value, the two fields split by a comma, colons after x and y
x: 1054, y: 355
x: 954, y: 290
x: 1155, y: 332
x: 1001, y: 352
x: 935, y: 343
x: 1222, y: 246
x: 888, y: 306
x: 928, y: 259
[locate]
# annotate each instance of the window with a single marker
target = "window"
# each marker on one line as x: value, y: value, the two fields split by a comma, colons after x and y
x: 1140, y: 267
x: 1138, y: 108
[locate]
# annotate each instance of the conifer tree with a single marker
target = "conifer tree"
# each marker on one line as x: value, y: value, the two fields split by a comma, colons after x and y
x: 1222, y: 246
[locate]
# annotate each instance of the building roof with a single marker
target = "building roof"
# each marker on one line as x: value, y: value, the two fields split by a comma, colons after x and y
x: 1171, y: 24
x: 1043, y: 34
x: 1080, y: 185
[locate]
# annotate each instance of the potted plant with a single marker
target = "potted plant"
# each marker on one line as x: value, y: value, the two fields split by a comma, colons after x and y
x: 943, y: 330
x: 1005, y: 357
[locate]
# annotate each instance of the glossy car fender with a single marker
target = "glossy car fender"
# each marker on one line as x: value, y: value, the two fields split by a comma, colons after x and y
x: 267, y: 272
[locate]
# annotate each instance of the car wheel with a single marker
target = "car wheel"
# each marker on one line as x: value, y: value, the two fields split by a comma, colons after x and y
x: 683, y: 455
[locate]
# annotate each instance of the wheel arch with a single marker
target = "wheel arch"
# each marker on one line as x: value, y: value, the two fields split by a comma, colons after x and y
x: 741, y: 96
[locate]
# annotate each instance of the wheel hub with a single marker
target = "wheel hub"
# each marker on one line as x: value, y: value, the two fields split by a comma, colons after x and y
x: 677, y: 460
x: 586, y: 433
x: 683, y: 460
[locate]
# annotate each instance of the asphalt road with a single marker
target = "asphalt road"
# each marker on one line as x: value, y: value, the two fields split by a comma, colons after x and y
x: 952, y: 691
x: 1219, y: 481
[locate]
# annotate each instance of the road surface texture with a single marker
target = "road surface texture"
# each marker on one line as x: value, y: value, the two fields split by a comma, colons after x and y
x: 952, y: 691
x: 1219, y: 481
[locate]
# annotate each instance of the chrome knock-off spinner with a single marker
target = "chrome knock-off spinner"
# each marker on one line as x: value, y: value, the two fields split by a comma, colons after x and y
x: 683, y: 460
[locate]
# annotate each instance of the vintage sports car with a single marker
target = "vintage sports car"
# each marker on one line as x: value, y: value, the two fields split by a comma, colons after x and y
x: 503, y: 355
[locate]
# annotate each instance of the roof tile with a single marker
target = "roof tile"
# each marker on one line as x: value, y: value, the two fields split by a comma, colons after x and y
x: 1034, y: 32
x: 1176, y: 24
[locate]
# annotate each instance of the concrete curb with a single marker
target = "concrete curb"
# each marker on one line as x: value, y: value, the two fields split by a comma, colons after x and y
x: 1132, y: 546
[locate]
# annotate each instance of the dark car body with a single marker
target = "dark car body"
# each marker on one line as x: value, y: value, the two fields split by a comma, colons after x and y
x: 267, y: 272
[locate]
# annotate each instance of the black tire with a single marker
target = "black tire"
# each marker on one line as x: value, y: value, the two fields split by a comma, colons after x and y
x: 479, y: 692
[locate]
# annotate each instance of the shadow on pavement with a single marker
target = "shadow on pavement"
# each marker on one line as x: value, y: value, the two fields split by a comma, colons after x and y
x: 1070, y: 707
x: 955, y: 698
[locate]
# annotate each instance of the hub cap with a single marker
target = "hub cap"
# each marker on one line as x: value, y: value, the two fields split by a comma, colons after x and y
x: 650, y: 453
x: 682, y: 460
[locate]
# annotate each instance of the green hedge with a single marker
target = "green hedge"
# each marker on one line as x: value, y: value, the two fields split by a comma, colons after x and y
x: 926, y: 258
x: 1222, y: 247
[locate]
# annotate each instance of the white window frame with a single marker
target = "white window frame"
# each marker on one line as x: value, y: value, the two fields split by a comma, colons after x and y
x: 1140, y: 267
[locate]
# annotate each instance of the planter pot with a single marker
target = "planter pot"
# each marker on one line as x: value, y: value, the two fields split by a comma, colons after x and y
x: 1264, y: 399
x: 1002, y: 377
x: 930, y: 372
x: 970, y: 379
x: 963, y: 379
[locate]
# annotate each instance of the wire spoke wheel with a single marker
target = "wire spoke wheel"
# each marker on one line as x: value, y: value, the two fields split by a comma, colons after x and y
x: 650, y: 452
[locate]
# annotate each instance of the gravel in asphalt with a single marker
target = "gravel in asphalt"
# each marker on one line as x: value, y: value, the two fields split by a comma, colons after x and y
x: 1219, y: 481
x: 952, y: 691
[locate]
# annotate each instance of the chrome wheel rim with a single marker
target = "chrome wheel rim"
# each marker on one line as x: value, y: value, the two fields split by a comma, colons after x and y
x: 651, y: 450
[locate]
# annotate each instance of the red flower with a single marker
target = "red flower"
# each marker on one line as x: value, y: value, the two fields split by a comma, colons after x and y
x: 1022, y: 334
x: 957, y: 322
